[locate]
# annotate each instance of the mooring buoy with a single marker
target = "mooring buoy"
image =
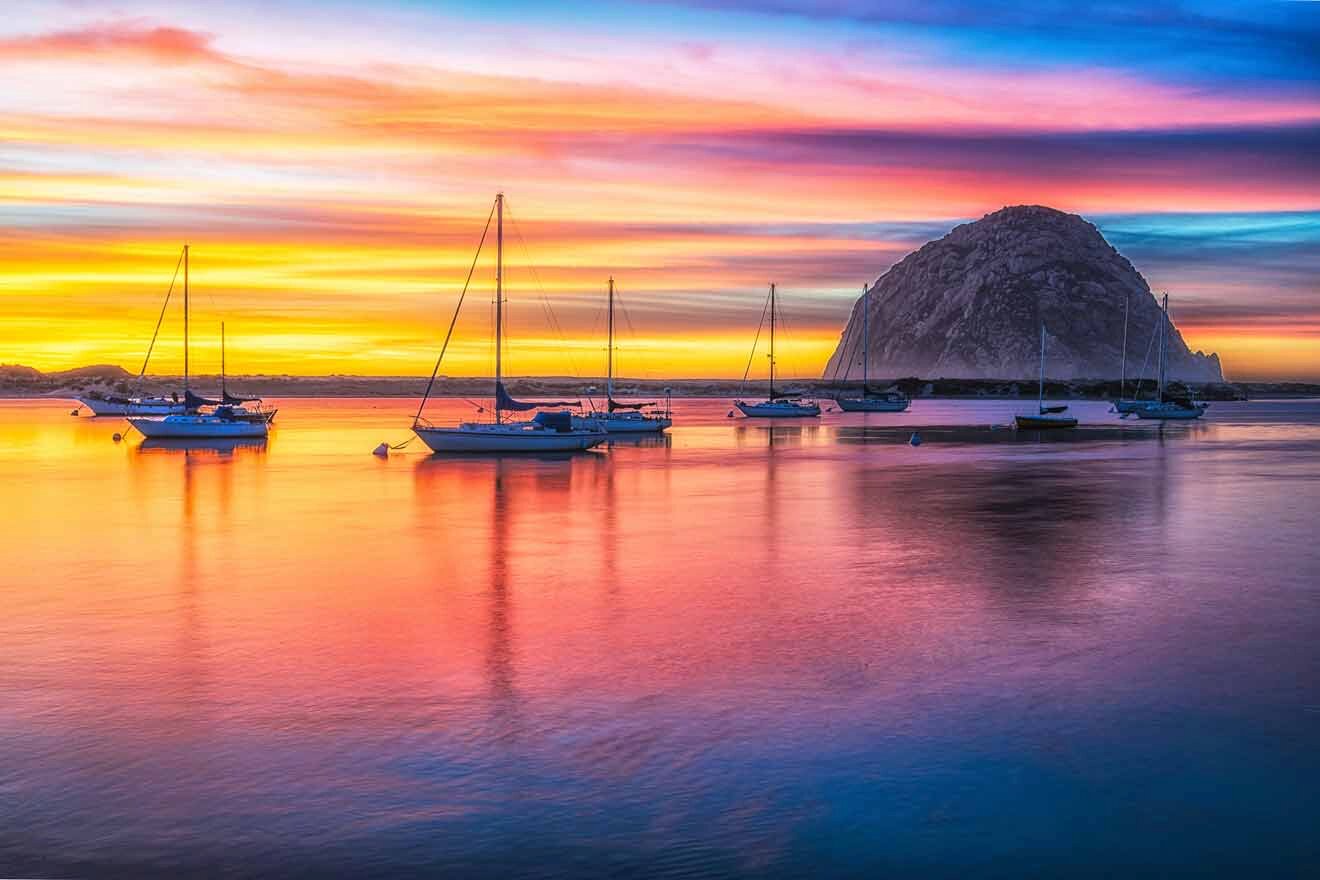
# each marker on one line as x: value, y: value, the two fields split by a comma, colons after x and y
x: 383, y: 450
x: 116, y: 436
x: 915, y: 439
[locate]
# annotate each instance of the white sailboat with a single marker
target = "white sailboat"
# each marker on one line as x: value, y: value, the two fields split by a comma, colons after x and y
x: 218, y: 422
x: 1166, y: 407
x: 775, y: 406
x: 1045, y: 417
x: 622, y: 418
x: 545, y: 432
x: 888, y: 401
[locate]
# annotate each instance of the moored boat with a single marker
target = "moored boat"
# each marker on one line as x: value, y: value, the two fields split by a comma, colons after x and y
x: 548, y: 431
x: 622, y: 418
x: 775, y: 406
x: 1167, y: 407
x: 202, y: 417
x: 1045, y: 417
x: 870, y: 401
x: 111, y: 405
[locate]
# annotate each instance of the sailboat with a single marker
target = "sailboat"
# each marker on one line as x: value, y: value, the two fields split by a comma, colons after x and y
x: 1124, y: 404
x: 193, y: 422
x: 889, y: 401
x: 774, y: 406
x: 1165, y: 406
x: 115, y: 405
x: 547, y: 431
x: 238, y: 405
x: 1045, y: 417
x: 622, y: 418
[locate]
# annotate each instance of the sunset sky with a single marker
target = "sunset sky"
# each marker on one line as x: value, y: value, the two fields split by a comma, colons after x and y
x: 332, y: 164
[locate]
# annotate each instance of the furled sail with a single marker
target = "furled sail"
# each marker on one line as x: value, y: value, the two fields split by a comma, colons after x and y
x: 615, y: 405
x: 192, y: 401
x: 504, y: 401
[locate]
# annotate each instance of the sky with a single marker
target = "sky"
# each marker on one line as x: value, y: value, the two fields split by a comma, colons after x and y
x: 331, y: 165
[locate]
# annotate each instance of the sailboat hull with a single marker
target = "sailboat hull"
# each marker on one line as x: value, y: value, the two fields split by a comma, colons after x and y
x: 1044, y: 422
x: 614, y: 424
x: 1129, y: 406
x: 1170, y: 413
x: 872, y: 404
x: 184, y: 427
x: 131, y: 407
x: 778, y: 409
x: 508, y: 437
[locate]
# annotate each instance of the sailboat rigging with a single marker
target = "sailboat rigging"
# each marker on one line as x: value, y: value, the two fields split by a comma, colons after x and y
x: 547, y: 431
x: 776, y: 406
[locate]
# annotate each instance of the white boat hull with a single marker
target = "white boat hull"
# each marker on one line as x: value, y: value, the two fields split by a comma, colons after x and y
x: 872, y: 404
x: 148, y: 407
x: 183, y: 427
x: 622, y: 425
x: 508, y: 437
x: 784, y: 409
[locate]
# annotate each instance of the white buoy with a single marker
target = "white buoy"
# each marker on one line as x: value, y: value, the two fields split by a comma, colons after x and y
x: 915, y: 439
x: 116, y: 436
x: 383, y: 450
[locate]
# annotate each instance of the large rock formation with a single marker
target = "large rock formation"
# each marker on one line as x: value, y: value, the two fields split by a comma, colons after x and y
x: 970, y: 305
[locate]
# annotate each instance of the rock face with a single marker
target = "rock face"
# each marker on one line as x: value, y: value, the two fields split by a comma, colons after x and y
x: 970, y: 306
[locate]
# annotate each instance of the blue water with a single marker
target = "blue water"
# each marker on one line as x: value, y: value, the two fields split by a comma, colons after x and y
x: 751, y: 650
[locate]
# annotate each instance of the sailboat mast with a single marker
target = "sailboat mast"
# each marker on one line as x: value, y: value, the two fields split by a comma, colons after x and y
x: 1122, y: 370
x: 1164, y: 329
x: 866, y: 341
x: 609, y: 362
x: 1040, y: 396
x: 185, y: 317
x: 499, y: 297
x: 222, y: 359
x: 772, y: 341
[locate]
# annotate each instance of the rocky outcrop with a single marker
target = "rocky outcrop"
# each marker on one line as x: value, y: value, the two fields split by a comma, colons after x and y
x: 970, y: 305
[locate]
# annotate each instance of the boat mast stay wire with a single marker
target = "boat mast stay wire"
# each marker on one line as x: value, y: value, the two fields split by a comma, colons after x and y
x: 545, y: 300
x: 755, y: 341
x: 159, y: 321
x: 454, y: 320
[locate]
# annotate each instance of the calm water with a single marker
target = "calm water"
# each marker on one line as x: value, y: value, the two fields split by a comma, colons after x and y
x: 807, y: 649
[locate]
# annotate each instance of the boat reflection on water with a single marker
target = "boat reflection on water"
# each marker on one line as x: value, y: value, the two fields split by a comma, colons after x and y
x: 205, y: 446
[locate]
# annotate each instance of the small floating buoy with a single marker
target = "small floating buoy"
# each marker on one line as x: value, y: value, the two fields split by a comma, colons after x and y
x: 915, y: 439
x: 116, y: 436
x: 383, y: 450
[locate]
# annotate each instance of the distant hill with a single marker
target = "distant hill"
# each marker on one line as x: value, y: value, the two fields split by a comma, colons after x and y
x: 970, y: 305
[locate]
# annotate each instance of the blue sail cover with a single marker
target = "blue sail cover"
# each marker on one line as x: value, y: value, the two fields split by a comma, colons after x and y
x: 615, y: 405
x: 504, y: 401
x: 192, y: 401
